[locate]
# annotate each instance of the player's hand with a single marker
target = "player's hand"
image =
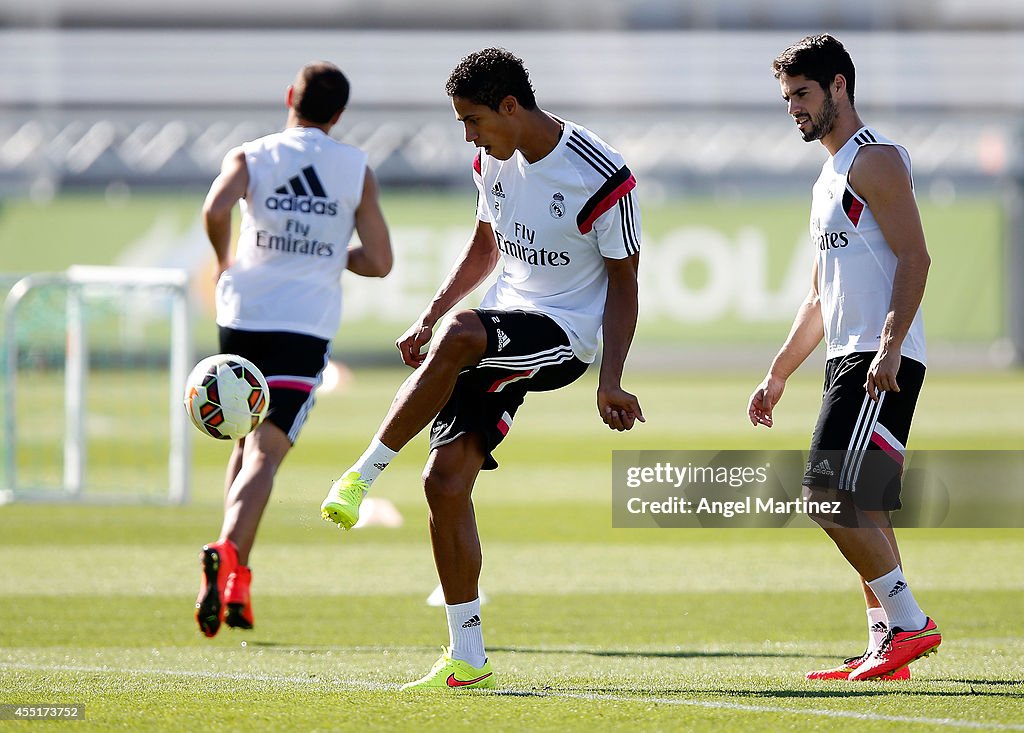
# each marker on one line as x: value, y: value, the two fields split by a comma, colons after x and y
x: 619, y: 409
x: 410, y: 344
x: 882, y: 374
x: 763, y: 401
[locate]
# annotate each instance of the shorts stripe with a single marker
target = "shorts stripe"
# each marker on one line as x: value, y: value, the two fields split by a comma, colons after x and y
x: 888, y: 443
x: 549, y: 357
x: 505, y: 423
x: 302, y: 384
x: 300, y: 419
x: 866, y: 421
x: 500, y: 384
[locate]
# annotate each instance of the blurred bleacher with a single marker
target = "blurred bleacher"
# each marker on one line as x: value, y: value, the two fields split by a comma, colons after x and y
x: 141, y: 93
x: 615, y: 15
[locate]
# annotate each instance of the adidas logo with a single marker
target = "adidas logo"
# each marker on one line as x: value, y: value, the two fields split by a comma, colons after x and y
x: 470, y: 623
x: 496, y: 190
x: 297, y: 189
x: 301, y: 194
x: 503, y: 340
x: 898, y: 588
x: 380, y: 466
x: 879, y: 627
x: 824, y: 468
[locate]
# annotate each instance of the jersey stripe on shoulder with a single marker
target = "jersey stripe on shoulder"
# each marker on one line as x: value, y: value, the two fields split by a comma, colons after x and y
x: 619, y: 184
x: 590, y: 153
x: 628, y: 218
x: 865, y: 137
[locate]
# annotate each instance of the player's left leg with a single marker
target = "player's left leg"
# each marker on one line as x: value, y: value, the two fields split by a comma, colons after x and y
x: 911, y: 634
x: 448, y: 481
x: 461, y: 342
x: 234, y: 466
x: 265, y: 450
x: 225, y: 580
x: 218, y: 561
x: 293, y: 365
x: 878, y: 624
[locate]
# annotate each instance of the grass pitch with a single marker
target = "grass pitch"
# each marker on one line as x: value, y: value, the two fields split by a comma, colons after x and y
x: 588, y: 627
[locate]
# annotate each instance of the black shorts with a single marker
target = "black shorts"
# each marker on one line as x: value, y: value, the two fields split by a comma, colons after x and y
x: 526, y: 352
x: 293, y: 364
x: 859, y: 444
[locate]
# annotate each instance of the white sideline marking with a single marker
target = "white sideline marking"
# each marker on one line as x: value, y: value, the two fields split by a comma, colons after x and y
x: 950, y: 722
x: 382, y: 687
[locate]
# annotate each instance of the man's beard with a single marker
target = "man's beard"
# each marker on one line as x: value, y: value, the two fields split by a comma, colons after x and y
x: 822, y: 123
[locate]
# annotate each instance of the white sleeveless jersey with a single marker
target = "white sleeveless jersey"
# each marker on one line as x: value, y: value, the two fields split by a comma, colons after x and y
x: 297, y: 218
x: 856, y: 266
x: 555, y: 221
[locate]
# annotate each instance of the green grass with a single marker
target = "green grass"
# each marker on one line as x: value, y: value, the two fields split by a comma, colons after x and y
x: 589, y: 627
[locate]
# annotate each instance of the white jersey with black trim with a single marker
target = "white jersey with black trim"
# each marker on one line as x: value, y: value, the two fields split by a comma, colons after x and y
x: 856, y: 266
x: 297, y: 218
x: 555, y: 221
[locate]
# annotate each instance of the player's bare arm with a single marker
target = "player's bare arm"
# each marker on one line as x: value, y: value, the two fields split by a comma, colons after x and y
x: 229, y: 186
x: 879, y: 176
x: 474, y: 264
x: 372, y: 255
x: 804, y: 336
x: 618, y: 408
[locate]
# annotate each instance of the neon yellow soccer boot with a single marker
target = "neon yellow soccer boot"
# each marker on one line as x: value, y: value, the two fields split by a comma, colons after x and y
x: 342, y: 503
x: 454, y: 674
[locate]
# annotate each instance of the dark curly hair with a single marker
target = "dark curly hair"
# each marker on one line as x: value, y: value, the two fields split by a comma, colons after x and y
x: 319, y: 91
x: 488, y: 76
x: 819, y: 58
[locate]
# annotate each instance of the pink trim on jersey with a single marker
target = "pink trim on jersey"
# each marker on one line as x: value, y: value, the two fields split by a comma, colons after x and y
x: 608, y: 202
x: 856, y: 209
x: 476, y: 163
x: 288, y: 383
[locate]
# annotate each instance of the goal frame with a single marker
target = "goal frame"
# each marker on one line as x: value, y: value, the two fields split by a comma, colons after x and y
x: 77, y: 281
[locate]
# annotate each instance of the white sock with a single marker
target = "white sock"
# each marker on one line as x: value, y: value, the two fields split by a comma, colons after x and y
x: 373, y: 461
x: 878, y: 625
x: 893, y: 592
x: 465, y: 632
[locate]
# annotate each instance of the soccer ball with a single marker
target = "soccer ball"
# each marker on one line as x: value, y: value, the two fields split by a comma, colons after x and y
x: 226, y: 396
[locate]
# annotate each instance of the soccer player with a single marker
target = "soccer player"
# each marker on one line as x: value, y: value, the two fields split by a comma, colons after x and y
x: 556, y: 206
x: 867, y: 281
x: 279, y: 299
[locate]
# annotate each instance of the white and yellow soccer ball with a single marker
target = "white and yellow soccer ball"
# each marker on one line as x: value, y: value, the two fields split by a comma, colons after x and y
x: 226, y: 396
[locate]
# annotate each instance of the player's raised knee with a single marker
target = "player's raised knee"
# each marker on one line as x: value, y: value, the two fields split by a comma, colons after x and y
x: 462, y: 336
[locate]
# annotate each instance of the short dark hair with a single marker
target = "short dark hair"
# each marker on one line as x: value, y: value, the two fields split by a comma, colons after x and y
x: 488, y: 76
x: 819, y: 58
x: 319, y: 92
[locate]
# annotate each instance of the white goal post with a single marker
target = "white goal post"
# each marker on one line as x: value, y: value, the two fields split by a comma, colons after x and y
x: 84, y: 311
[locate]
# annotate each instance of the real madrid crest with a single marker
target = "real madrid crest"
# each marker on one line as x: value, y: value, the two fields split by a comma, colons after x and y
x: 557, y: 207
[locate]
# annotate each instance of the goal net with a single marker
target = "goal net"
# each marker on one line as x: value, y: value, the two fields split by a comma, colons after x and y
x: 93, y: 364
